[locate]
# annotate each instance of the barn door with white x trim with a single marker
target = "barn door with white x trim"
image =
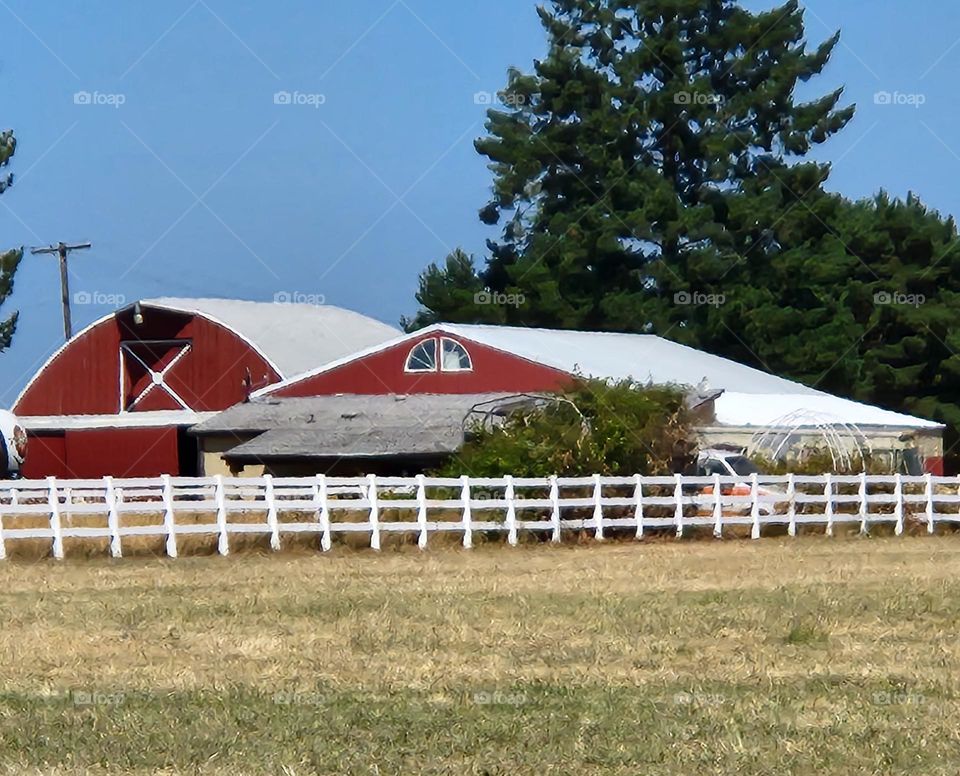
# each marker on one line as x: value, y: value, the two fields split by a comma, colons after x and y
x: 146, y: 369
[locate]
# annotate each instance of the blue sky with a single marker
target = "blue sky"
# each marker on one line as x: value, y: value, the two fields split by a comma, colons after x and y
x: 191, y: 180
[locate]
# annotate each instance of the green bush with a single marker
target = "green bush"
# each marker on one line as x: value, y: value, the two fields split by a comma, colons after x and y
x: 595, y: 427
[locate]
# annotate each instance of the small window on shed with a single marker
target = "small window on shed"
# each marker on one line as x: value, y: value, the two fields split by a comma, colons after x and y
x: 423, y: 358
x: 454, y: 356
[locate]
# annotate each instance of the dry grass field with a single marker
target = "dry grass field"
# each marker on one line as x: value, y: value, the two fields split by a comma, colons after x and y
x: 780, y: 656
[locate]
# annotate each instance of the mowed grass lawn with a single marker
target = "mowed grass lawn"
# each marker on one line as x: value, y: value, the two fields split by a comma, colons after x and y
x: 780, y: 656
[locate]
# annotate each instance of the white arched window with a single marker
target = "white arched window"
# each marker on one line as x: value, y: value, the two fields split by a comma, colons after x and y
x: 423, y: 357
x: 454, y: 356
x: 443, y: 355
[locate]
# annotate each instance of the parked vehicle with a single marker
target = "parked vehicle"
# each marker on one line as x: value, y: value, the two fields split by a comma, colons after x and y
x: 727, y: 462
x: 13, y: 451
x: 731, y: 462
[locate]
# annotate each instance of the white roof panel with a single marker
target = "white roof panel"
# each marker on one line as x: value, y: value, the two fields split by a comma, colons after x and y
x: 804, y: 410
x: 751, y: 397
x: 295, y: 337
x: 643, y: 357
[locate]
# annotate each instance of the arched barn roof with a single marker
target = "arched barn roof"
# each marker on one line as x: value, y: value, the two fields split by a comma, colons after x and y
x: 294, y: 337
x: 289, y: 338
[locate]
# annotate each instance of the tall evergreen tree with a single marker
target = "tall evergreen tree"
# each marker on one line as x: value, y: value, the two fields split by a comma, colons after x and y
x: 649, y: 154
x: 9, y: 260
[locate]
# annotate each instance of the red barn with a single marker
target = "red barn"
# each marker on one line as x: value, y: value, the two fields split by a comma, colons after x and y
x: 752, y: 405
x: 117, y: 398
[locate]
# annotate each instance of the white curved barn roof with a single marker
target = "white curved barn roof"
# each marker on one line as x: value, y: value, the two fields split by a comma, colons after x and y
x: 295, y: 337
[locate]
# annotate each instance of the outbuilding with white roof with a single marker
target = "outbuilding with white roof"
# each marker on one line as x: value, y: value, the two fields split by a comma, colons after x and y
x: 473, y: 359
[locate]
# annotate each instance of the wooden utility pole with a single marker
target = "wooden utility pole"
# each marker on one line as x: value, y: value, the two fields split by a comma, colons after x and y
x: 62, y: 249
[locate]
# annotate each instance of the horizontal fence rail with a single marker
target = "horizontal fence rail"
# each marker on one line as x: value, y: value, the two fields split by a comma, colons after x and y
x: 170, y: 508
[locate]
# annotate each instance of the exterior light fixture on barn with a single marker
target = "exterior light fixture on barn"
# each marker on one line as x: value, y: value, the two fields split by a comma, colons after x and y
x: 116, y: 399
x: 460, y: 358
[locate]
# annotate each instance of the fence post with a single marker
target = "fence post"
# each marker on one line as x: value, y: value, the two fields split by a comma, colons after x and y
x: 374, y: 511
x: 169, y: 524
x: 928, y: 492
x: 791, y: 506
x: 223, y: 542
x: 510, y: 497
x: 53, y: 501
x: 828, y: 506
x: 898, y: 503
x: 638, y: 501
x: 3, y: 546
x: 555, y: 507
x: 754, y: 506
x: 422, y: 512
x: 864, y: 507
x: 323, y: 512
x: 717, y: 508
x: 958, y: 490
x: 113, y: 517
x: 273, y: 523
x: 598, y: 507
x: 465, y: 498
x: 678, y: 497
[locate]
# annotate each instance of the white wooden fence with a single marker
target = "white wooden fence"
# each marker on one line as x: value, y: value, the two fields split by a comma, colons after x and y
x: 113, y: 509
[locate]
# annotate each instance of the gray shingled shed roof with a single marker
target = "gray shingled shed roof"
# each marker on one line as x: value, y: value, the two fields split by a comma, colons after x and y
x: 351, y: 425
x: 294, y: 337
x: 351, y: 443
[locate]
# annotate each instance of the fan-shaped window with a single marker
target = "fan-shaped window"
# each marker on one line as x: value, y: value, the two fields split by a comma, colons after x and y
x: 423, y: 358
x: 454, y: 356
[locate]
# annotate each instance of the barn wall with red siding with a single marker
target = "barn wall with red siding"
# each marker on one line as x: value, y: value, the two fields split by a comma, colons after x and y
x: 119, y: 452
x: 84, y: 378
x: 383, y: 373
x: 46, y: 456
x: 122, y: 452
